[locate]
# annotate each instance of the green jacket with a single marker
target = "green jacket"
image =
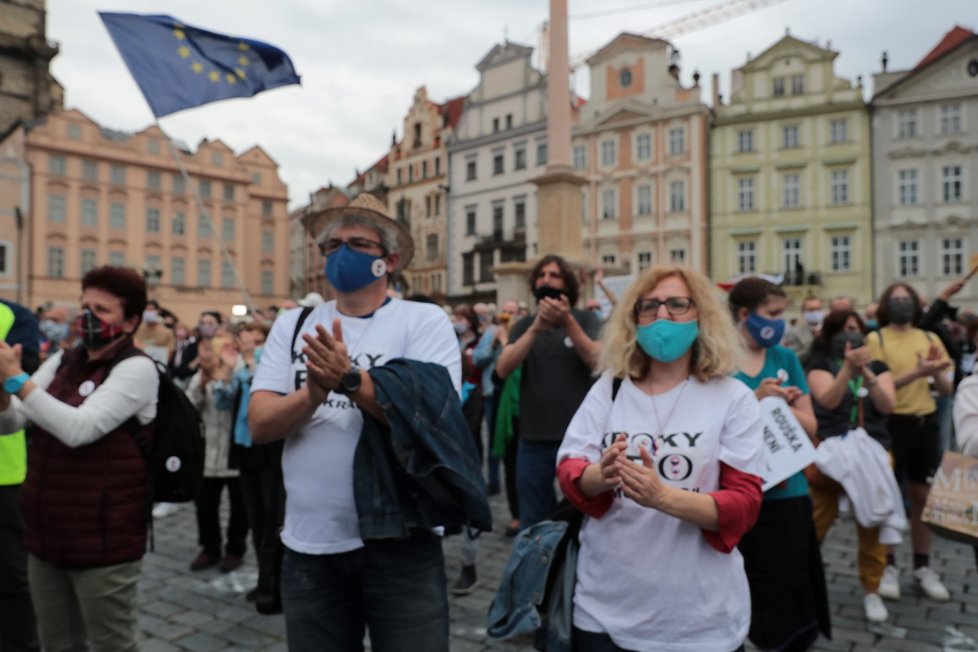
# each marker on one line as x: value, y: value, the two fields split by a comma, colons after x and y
x: 507, y: 410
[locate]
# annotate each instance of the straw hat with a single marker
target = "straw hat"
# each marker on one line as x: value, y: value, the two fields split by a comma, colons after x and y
x: 367, y: 206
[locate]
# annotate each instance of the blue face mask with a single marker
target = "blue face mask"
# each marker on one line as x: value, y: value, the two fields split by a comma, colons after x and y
x: 872, y: 324
x: 349, y: 270
x: 766, y: 332
x: 666, y: 340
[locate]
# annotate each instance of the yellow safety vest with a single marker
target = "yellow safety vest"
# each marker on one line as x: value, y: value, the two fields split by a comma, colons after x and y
x: 13, y: 448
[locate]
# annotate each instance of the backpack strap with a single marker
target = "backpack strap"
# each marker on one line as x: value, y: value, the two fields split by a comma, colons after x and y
x: 615, y: 386
x: 298, y: 326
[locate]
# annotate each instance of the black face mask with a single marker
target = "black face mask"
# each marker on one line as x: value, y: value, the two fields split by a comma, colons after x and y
x: 901, y: 312
x: 95, y: 333
x: 545, y: 291
x: 837, y: 347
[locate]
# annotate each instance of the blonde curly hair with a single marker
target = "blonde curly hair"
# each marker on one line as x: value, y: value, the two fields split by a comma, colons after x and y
x: 716, y: 351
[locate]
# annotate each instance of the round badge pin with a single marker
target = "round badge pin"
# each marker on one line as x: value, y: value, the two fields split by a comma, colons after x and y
x: 782, y: 375
x: 173, y: 464
x: 86, y: 388
x: 767, y: 332
x: 379, y: 267
x: 568, y: 342
x: 863, y: 392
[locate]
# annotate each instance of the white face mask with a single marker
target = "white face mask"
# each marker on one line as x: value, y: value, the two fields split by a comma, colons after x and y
x: 813, y: 317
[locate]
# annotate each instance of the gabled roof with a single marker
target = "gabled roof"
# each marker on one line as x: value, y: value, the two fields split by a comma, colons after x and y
x: 951, y: 41
x: 503, y: 53
x: 452, y: 110
x: 380, y: 165
x: 260, y: 152
x: 788, y: 40
x: 622, y: 42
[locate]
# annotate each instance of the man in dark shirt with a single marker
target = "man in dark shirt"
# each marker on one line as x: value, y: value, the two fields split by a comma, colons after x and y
x: 558, y: 350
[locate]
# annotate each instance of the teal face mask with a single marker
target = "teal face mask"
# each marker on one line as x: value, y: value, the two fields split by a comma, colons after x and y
x: 665, y: 340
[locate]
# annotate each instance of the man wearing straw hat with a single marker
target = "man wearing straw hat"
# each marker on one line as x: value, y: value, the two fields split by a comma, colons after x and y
x: 343, y: 570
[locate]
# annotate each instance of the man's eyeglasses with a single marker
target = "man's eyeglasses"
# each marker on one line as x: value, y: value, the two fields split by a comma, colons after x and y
x: 675, y: 306
x: 363, y: 245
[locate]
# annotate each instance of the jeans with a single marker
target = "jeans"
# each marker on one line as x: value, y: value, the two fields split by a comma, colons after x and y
x: 17, y: 629
x: 536, y: 469
x: 208, y: 505
x: 264, y: 498
x: 396, y: 589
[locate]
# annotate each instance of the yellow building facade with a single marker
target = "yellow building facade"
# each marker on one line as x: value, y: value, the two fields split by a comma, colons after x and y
x: 791, y: 175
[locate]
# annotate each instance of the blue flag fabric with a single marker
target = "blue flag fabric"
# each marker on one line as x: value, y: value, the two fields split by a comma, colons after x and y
x: 178, y: 66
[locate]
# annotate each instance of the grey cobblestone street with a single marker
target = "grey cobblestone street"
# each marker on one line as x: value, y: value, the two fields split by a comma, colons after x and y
x: 180, y: 610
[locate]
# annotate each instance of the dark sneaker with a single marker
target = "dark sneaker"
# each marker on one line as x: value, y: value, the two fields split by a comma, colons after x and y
x: 252, y: 595
x: 268, y: 604
x: 467, y: 580
x: 204, y: 560
x: 231, y: 562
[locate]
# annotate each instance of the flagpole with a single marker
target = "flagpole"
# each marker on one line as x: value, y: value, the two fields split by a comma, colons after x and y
x: 225, y: 256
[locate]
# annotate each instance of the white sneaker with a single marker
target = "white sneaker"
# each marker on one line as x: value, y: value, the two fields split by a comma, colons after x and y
x: 890, y: 583
x: 162, y: 510
x: 930, y: 584
x: 875, y: 609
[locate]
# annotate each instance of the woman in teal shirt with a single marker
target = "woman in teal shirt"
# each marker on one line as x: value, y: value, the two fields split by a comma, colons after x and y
x: 789, y: 603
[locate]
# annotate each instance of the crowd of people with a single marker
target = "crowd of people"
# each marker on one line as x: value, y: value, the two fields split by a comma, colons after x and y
x: 351, y: 436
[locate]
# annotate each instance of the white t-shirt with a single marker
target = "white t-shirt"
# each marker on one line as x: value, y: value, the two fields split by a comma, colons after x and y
x: 649, y: 580
x: 317, y: 461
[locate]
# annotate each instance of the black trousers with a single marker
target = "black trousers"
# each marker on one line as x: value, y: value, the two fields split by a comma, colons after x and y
x: 18, y: 631
x: 264, y: 498
x: 209, y: 517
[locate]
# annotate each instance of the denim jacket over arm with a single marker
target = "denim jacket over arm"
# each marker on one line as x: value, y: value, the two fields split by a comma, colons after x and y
x: 422, y: 470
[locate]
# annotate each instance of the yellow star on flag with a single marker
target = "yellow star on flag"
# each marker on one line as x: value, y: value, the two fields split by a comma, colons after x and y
x: 240, y: 73
x: 242, y: 60
x: 231, y: 78
x: 243, y: 47
x: 214, y: 76
x: 197, y: 67
x: 179, y: 33
x: 184, y: 52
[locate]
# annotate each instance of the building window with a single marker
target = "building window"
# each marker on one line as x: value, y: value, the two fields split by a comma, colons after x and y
x: 468, y: 269
x: 153, y: 262
x: 179, y: 184
x: 746, y: 257
x: 509, y: 120
x: 154, y: 182
x: 74, y: 132
x: 609, y: 259
x: 470, y: 172
x: 950, y: 118
x: 470, y: 220
x: 88, y: 261
x: 424, y: 169
x: 792, y: 191
x: 609, y: 208
x: 644, y: 260
x: 840, y: 186
x: 952, y: 256
x: 745, y: 140
x: 643, y: 147
x: 204, y: 226
x: 643, y: 199
x: 57, y: 166
x: 438, y: 165
x: 541, y: 152
x: 267, y: 282
x: 497, y: 162
x: 951, y: 183
x: 256, y: 178
x: 778, y: 90
x: 410, y: 173
x: 56, y: 208
x: 609, y: 153
x: 228, y: 192
x: 497, y: 220
x: 908, y: 187
x: 178, y: 271
x: 519, y: 212
x: 485, y: 266
x: 798, y: 84
x: 204, y: 273
x: 790, y: 137
x: 227, y: 275
x: 677, y: 256
x: 266, y: 207
x: 267, y: 241
x: 117, y: 175
x: 179, y: 226
x: 217, y: 159
x: 791, y: 256
x: 495, y: 125
x: 841, y: 252
x: 153, y: 145
x: 677, y: 196
x: 152, y: 220
x: 117, y: 216
x: 89, y: 212
x: 745, y: 194
x: 227, y: 229
x: 909, y: 258
x: 838, y: 131
x: 432, y: 246
x: 580, y: 157
x: 519, y: 156
x: 907, y: 123
x: 205, y: 188
x: 56, y: 262
x: 399, y: 176
x: 90, y: 170
x: 677, y: 140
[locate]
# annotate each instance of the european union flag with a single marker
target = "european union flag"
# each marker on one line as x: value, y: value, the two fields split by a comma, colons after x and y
x: 178, y: 66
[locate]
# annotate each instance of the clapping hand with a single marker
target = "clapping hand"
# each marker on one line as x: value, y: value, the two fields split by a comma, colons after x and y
x: 641, y: 482
x: 933, y: 364
x: 9, y: 360
x: 857, y: 358
x: 772, y: 387
x: 326, y: 357
x: 608, y: 464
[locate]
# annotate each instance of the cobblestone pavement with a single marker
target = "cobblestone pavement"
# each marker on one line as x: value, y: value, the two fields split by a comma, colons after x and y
x: 180, y: 610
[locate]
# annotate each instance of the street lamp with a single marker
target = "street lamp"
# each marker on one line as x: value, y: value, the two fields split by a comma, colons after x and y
x: 153, y: 277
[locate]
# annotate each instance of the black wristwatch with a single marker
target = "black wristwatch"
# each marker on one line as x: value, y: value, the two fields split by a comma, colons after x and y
x: 350, y: 381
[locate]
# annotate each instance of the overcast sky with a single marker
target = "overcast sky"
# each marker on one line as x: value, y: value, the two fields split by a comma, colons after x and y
x: 360, y: 62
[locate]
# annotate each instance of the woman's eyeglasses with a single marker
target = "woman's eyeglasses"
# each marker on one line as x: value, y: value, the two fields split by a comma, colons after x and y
x: 363, y: 245
x: 675, y: 306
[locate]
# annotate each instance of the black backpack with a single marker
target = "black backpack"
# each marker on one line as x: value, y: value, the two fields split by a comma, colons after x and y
x: 175, y: 461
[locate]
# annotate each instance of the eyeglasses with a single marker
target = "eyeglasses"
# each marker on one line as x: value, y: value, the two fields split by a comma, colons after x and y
x: 364, y: 245
x: 675, y: 306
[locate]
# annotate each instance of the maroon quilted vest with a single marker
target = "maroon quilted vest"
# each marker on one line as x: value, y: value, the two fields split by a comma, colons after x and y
x: 87, y: 506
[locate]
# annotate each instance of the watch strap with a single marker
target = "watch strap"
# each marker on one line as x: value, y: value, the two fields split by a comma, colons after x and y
x: 13, y: 384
